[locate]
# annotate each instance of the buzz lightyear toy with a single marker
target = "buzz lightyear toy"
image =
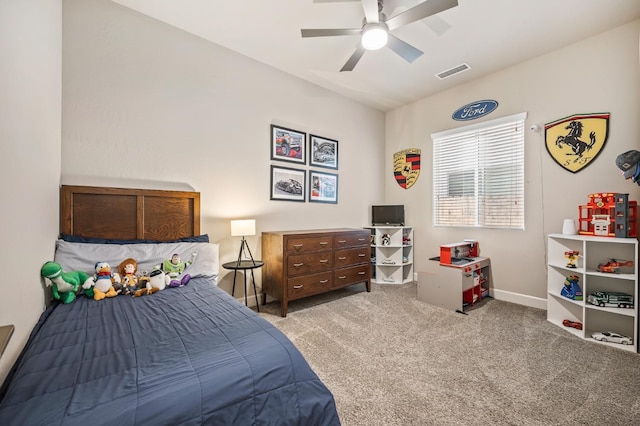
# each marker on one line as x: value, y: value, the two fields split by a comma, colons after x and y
x: 174, y: 268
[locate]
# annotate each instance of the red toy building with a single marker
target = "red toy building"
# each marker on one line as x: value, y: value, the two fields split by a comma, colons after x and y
x: 608, y: 214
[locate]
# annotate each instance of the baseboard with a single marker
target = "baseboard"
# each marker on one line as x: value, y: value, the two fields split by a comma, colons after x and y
x: 520, y: 299
x: 251, y: 300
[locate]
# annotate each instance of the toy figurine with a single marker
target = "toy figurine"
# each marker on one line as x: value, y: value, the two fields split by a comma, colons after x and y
x: 571, y: 289
x: 386, y: 239
x: 572, y: 255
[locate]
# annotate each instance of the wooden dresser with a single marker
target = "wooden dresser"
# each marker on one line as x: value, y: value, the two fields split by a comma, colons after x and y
x: 298, y: 264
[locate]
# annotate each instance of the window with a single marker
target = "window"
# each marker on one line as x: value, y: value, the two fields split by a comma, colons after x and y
x: 478, y: 174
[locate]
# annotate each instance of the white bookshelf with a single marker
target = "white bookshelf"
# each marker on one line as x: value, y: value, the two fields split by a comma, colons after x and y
x: 391, y: 254
x: 593, y: 251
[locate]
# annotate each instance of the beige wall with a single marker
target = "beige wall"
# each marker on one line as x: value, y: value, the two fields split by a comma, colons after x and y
x: 30, y: 41
x: 599, y: 74
x: 147, y: 104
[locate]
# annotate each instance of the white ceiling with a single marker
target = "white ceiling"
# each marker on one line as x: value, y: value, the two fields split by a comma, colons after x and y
x: 488, y: 35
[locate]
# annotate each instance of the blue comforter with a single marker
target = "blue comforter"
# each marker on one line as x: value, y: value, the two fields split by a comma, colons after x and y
x: 191, y: 355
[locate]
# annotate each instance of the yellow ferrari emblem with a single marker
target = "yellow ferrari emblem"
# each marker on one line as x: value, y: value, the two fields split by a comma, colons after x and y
x: 406, y: 167
x: 574, y: 142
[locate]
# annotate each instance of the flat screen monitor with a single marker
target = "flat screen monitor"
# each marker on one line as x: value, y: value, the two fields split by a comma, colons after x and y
x: 387, y: 215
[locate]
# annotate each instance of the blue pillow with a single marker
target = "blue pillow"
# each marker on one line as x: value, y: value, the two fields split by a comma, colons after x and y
x: 91, y: 240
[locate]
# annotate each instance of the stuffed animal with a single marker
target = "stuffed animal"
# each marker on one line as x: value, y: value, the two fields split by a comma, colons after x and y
x: 174, y: 268
x: 65, y: 285
x: 103, y: 281
x: 127, y: 270
x: 155, y: 283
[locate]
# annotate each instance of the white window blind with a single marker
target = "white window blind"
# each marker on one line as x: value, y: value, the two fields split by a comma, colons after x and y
x: 478, y: 174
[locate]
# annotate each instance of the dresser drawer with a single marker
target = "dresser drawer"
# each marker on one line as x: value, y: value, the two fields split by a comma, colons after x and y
x: 309, y: 244
x: 353, y: 256
x: 301, y: 264
x: 351, y: 239
x: 309, y: 284
x: 355, y: 274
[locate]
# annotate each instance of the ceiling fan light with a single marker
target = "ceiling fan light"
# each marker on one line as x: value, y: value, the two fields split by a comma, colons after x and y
x: 374, y: 37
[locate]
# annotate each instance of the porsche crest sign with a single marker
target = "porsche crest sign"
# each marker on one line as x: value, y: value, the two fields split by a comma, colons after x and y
x: 406, y: 167
x: 574, y: 142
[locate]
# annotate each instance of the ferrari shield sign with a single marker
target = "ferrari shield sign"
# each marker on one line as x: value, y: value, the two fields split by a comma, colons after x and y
x: 406, y: 167
x: 574, y: 142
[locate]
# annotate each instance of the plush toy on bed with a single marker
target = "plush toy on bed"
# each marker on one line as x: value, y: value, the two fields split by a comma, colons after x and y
x: 103, y: 281
x: 65, y: 285
x: 174, y: 268
x: 129, y: 280
x: 155, y: 283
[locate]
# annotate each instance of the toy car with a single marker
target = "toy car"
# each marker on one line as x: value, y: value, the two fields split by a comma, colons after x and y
x: 610, y: 298
x: 575, y: 324
x: 607, y: 336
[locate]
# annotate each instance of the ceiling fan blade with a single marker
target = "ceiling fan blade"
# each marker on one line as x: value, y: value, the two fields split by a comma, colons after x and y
x: 324, y: 32
x: 420, y: 11
x: 370, y: 11
x: 353, y: 60
x: 405, y: 50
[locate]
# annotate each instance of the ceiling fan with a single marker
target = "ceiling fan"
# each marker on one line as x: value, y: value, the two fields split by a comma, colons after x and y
x: 376, y: 29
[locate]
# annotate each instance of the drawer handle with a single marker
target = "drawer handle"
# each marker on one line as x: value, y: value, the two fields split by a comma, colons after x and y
x: 298, y: 287
x: 361, y: 273
x: 361, y: 254
x: 324, y: 281
x: 342, y: 258
x: 362, y: 239
x: 324, y: 260
x: 342, y: 241
x: 297, y: 265
x: 297, y: 246
x: 342, y: 277
x: 323, y: 243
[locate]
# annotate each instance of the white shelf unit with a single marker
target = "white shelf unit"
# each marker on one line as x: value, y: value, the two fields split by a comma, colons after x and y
x: 593, y: 251
x: 392, y: 262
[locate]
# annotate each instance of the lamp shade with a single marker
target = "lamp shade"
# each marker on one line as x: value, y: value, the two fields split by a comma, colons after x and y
x: 242, y: 228
x: 374, y: 36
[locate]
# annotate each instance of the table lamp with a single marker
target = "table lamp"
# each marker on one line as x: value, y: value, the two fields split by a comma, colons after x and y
x: 243, y: 228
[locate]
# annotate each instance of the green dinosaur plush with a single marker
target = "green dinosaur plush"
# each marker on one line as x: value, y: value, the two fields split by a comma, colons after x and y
x: 66, y: 285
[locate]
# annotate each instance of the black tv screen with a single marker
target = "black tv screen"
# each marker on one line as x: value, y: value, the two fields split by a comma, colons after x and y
x: 387, y: 215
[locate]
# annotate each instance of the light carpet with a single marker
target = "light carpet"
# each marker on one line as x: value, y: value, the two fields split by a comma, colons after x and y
x: 390, y: 359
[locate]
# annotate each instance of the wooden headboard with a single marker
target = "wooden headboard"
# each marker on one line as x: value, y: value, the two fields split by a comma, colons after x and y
x: 128, y: 214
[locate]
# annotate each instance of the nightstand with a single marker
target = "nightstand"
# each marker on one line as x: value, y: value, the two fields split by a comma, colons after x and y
x: 245, y: 265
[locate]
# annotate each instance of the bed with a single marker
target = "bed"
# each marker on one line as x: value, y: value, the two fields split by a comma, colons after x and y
x: 187, y: 355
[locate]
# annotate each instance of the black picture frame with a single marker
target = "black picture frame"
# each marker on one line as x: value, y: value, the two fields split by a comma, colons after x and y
x: 323, y: 187
x: 323, y: 152
x: 288, y: 145
x: 287, y: 184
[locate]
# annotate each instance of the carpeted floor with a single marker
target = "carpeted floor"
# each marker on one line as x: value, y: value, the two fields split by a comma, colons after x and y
x: 392, y: 360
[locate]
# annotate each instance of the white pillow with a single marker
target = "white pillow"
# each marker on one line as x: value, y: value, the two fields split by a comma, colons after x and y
x: 83, y: 256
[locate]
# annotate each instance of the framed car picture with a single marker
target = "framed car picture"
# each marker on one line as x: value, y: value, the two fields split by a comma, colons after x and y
x: 323, y: 152
x: 288, y: 145
x: 323, y: 187
x: 287, y: 184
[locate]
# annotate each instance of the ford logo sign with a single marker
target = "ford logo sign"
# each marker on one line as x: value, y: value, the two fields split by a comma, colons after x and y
x: 474, y: 110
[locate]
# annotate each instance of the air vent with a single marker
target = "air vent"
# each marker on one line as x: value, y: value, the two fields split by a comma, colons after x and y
x: 452, y: 71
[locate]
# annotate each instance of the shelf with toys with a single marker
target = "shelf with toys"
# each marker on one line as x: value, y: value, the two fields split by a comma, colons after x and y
x: 391, y: 254
x: 592, y: 286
